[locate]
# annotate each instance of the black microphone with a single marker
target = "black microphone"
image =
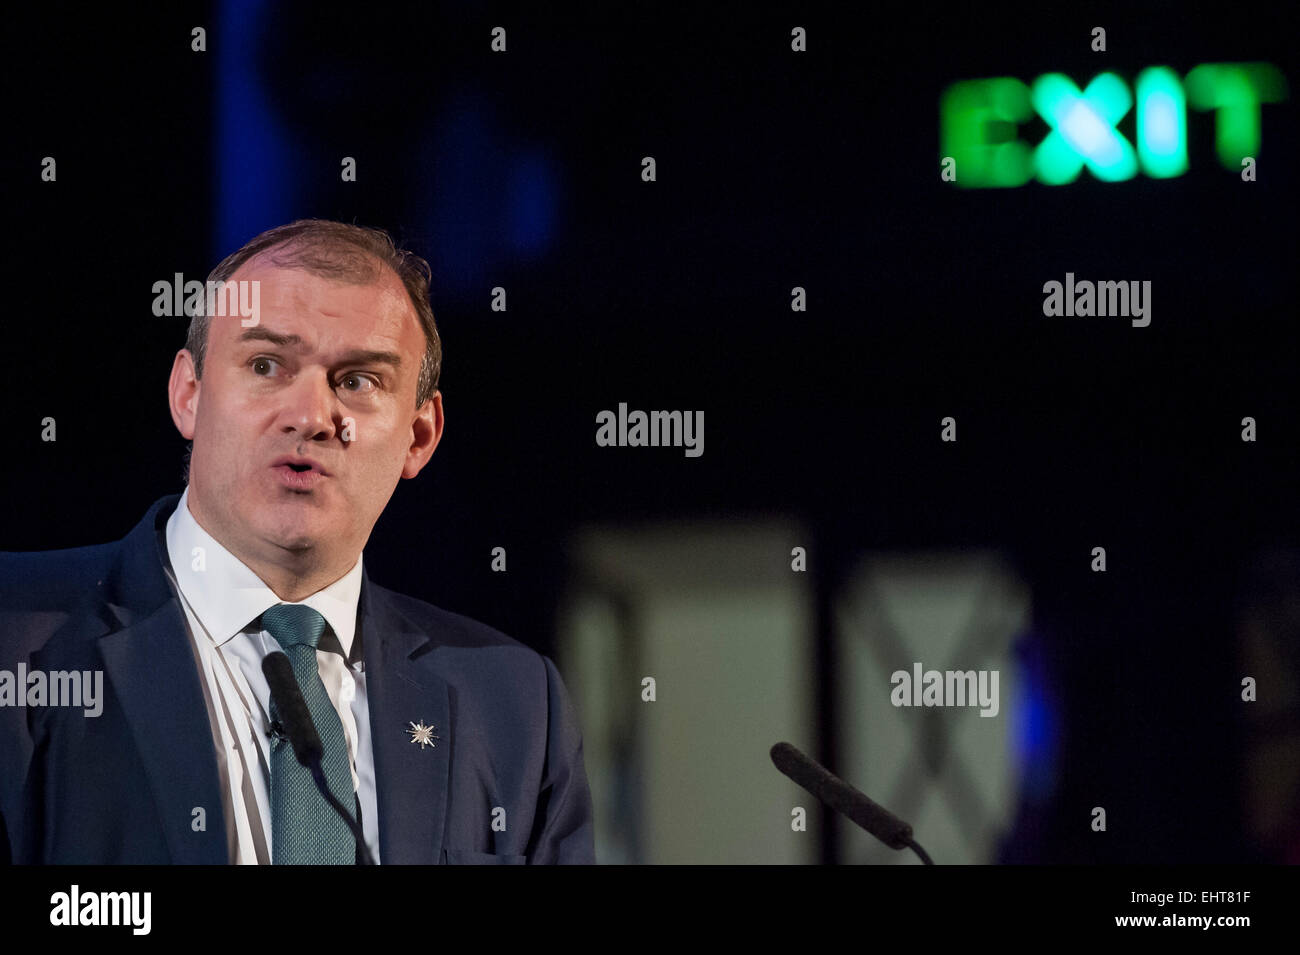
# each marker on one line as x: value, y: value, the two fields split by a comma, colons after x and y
x: 846, y: 800
x: 296, y: 724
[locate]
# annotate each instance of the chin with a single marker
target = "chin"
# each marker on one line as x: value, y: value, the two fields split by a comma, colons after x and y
x: 296, y: 542
x: 295, y: 532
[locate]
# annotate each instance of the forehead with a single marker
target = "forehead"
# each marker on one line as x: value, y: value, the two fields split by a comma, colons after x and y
x: 325, y: 311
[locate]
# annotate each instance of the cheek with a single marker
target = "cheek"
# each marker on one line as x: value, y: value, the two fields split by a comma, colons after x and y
x: 388, y: 445
x: 225, y: 429
x: 217, y: 431
x: 213, y: 407
x: 377, y: 467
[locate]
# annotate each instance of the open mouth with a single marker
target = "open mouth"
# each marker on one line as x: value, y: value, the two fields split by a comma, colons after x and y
x: 299, y: 475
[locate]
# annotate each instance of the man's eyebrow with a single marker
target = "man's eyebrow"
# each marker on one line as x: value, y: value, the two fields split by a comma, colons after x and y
x: 358, y: 356
x: 369, y: 357
x: 265, y: 334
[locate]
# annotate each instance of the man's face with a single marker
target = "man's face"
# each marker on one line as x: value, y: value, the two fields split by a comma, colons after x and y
x: 327, y: 378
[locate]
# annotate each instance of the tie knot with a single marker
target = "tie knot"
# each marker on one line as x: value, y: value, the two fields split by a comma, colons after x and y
x: 294, y: 624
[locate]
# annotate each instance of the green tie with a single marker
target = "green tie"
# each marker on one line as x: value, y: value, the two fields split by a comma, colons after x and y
x: 305, y: 829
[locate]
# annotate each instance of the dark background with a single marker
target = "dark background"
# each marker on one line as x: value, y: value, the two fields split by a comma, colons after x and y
x: 774, y: 170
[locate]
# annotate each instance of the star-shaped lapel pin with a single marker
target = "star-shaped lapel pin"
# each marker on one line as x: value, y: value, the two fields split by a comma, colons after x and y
x: 423, y: 734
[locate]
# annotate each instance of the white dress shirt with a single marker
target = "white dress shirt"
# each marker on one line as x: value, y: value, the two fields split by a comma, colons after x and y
x: 223, y: 598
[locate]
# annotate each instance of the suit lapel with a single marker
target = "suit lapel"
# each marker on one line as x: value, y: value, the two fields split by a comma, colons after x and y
x: 151, y: 667
x: 154, y: 676
x: 401, y: 689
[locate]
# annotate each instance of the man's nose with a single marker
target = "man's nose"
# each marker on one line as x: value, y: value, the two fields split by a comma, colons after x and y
x: 310, y: 406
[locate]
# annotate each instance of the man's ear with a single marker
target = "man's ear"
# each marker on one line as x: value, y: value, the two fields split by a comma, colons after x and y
x: 426, y: 432
x: 183, y: 394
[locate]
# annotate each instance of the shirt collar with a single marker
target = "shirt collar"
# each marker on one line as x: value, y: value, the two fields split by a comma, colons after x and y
x: 226, y: 595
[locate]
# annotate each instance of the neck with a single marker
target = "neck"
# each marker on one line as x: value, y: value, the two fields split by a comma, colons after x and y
x: 291, y: 574
x: 292, y: 584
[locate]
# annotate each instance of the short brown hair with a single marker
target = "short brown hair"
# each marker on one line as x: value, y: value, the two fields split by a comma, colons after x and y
x: 346, y: 253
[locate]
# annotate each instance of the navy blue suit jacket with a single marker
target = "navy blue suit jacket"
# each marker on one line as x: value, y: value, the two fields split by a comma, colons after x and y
x: 122, y: 787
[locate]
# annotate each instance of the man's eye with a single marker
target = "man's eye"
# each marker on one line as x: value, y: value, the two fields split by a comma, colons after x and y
x: 261, y: 365
x: 358, y: 384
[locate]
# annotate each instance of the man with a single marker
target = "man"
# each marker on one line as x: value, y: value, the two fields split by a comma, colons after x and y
x: 445, y: 740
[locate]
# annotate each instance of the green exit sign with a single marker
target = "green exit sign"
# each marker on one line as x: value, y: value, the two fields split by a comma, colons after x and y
x: 980, y: 123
